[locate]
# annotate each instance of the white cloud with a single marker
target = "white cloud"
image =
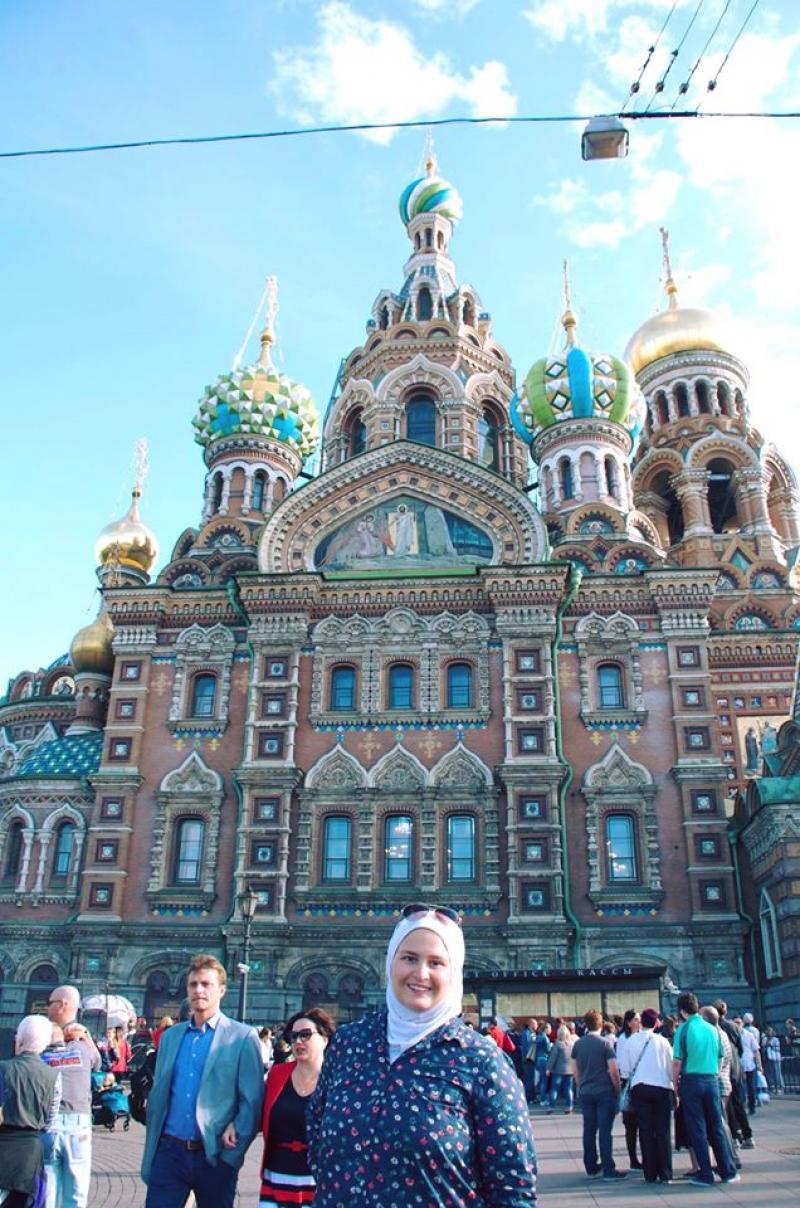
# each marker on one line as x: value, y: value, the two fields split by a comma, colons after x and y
x: 581, y: 19
x: 361, y: 70
x: 452, y: 9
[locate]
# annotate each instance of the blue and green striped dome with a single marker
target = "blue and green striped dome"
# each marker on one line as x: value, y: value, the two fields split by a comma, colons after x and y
x: 577, y: 384
x: 429, y: 194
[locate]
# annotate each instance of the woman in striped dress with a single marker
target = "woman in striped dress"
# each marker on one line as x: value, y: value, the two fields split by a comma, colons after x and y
x: 286, y: 1180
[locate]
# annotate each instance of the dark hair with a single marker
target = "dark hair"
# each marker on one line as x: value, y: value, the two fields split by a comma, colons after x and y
x: 593, y: 1020
x: 628, y: 1019
x: 649, y: 1017
x: 688, y: 1002
x: 722, y: 1007
x: 321, y: 1020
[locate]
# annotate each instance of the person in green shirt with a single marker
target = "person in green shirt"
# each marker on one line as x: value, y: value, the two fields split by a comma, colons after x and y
x: 697, y: 1055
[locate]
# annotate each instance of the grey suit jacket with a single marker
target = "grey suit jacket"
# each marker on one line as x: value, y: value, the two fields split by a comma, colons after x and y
x: 231, y: 1091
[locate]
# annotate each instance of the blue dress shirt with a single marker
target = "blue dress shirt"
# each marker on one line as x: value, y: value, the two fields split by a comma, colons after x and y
x: 187, y: 1074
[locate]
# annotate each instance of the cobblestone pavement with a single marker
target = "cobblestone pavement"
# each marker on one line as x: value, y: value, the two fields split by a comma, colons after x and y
x: 770, y: 1177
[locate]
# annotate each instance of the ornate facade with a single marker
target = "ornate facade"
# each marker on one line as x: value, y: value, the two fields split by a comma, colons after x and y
x: 420, y: 675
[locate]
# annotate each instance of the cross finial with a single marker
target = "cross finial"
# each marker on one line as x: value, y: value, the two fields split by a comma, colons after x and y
x: 568, y: 319
x: 669, y: 281
x: 268, y: 334
x: 429, y: 154
x: 141, y: 464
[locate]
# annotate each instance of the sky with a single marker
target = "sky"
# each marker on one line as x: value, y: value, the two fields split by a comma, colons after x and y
x: 130, y: 278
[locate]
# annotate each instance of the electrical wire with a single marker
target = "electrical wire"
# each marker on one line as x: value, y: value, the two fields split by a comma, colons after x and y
x: 713, y: 83
x: 659, y: 88
x: 651, y: 50
x: 684, y: 88
x: 543, y: 119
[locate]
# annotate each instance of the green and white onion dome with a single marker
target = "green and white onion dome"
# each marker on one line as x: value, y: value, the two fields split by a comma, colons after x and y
x: 258, y: 401
x: 430, y: 194
x: 576, y: 384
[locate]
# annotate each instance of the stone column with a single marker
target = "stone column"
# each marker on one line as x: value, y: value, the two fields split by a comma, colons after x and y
x: 44, y: 845
x: 691, y: 487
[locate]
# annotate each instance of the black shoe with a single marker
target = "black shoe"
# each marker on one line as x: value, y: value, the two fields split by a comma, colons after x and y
x: 637, y: 1166
x: 618, y: 1174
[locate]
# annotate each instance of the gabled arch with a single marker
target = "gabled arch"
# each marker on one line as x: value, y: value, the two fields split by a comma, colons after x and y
x: 654, y: 462
x: 461, y: 768
x: 17, y: 813
x: 619, y: 624
x: 336, y: 770
x: 719, y: 444
x: 197, y: 640
x: 192, y: 776
x: 420, y: 372
x: 398, y: 769
x: 63, y: 813
x: 616, y: 770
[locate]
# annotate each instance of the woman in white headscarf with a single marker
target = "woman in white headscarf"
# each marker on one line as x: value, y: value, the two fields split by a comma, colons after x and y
x: 412, y: 1106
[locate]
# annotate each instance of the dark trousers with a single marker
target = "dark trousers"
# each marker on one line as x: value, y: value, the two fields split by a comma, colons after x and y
x: 631, y: 1123
x: 752, y: 1101
x: 177, y: 1171
x: 702, y: 1114
x: 599, y: 1109
x: 737, y: 1116
x: 653, y: 1107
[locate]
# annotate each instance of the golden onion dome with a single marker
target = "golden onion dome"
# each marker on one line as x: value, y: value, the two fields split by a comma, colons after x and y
x: 677, y: 329
x: 91, y: 646
x: 127, y: 544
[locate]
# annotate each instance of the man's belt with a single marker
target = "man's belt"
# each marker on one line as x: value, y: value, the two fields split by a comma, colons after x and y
x: 192, y: 1146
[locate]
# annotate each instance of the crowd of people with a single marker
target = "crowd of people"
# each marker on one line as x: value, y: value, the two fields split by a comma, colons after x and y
x: 410, y: 1105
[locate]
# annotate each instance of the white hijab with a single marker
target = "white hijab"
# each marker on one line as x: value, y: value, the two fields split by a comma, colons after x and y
x: 405, y: 1026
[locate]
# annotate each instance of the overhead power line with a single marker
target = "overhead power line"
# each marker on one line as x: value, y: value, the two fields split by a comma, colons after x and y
x: 651, y: 50
x: 713, y: 83
x: 302, y: 131
x: 659, y: 88
x: 684, y: 88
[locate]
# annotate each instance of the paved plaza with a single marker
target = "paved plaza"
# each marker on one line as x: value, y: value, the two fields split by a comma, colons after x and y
x: 770, y: 1178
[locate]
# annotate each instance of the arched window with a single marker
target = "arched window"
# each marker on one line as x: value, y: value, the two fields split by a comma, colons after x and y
x: 440, y: 240
x: 770, y: 940
x: 189, y: 837
x: 429, y: 238
x: 401, y: 686
x: 673, y: 512
x: 384, y: 318
x: 417, y: 241
x: 610, y: 688
x: 565, y: 478
x: 460, y: 847
x: 336, y: 831
x: 703, y: 403
x: 722, y: 496
x: 424, y: 303
x: 459, y: 686
x: 621, y: 847
x: 724, y: 398
x: 14, y: 851
x: 62, y: 855
x: 662, y: 407
x: 469, y: 313
x: 343, y: 688
x: 421, y: 420
x: 398, y: 847
x: 489, y: 440
x: 204, y: 695
x: 216, y: 498
x: 259, y: 491
x: 279, y: 491
x: 611, y: 477
x: 357, y: 435
x: 682, y: 399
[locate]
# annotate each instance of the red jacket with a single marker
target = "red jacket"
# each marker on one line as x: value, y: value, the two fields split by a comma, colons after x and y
x: 277, y: 1078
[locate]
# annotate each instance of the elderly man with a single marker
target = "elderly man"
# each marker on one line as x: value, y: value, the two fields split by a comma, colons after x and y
x: 27, y: 1090
x: 69, y: 1168
x: 205, y: 1104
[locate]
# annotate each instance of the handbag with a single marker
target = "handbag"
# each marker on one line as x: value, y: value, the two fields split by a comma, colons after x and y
x: 625, y: 1104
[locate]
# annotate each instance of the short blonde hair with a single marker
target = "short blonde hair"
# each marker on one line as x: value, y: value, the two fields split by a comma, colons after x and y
x: 204, y: 960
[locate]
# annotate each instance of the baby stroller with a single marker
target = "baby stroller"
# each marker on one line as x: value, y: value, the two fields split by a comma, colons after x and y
x: 109, y: 1102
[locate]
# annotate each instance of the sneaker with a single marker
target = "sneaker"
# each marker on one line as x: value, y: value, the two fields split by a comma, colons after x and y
x: 735, y: 1178
x: 617, y: 1174
x: 696, y: 1181
x: 748, y: 1143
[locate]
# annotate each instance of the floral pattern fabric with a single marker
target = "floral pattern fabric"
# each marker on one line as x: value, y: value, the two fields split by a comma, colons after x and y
x: 445, y: 1126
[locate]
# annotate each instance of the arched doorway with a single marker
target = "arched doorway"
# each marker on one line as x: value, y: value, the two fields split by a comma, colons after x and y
x: 41, y: 983
x: 159, y: 999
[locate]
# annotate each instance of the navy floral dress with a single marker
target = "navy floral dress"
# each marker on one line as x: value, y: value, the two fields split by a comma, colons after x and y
x: 445, y: 1126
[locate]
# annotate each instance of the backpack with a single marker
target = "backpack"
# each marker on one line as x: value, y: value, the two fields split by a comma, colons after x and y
x: 141, y: 1084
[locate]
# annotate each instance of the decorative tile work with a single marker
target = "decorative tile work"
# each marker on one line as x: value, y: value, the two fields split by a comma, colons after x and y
x: 74, y: 756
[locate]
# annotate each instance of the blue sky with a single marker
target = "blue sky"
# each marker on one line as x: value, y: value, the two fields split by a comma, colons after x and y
x: 130, y: 278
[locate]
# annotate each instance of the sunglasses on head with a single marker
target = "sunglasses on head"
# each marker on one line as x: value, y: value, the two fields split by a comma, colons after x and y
x: 303, y: 1034
x: 443, y: 912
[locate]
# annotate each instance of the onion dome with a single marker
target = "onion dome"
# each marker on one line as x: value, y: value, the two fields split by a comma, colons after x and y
x: 91, y: 646
x: 576, y: 384
x: 430, y: 194
x: 258, y: 401
x: 127, y: 544
x: 676, y: 329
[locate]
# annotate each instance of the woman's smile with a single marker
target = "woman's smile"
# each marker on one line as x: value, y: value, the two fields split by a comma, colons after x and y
x: 421, y: 971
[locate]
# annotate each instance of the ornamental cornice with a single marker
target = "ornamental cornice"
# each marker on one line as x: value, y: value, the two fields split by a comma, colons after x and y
x: 770, y: 827
x: 447, y: 352
x: 592, y: 428
x: 690, y: 364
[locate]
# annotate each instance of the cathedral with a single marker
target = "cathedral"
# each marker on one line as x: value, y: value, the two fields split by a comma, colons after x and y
x: 520, y: 645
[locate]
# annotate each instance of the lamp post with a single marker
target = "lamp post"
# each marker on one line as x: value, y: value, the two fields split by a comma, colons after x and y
x: 248, y: 901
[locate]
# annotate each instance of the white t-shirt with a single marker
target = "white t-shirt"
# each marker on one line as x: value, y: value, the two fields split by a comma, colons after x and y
x: 749, y: 1050
x: 655, y: 1064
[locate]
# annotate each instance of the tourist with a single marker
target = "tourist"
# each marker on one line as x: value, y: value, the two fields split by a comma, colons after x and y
x: 120, y: 1053
x: 166, y: 1022
x: 542, y: 1046
x: 772, y: 1057
x: 267, y: 1048
x: 597, y: 1082
x: 28, y: 1088
x: 631, y: 1025
x: 560, y: 1070
x: 205, y: 1104
x: 412, y: 1107
x: 528, y: 1047
x: 285, y: 1176
x: 69, y: 1168
x: 738, y: 1120
x: 751, y: 1059
x: 648, y: 1058
x: 711, y: 1015
x: 695, y: 1073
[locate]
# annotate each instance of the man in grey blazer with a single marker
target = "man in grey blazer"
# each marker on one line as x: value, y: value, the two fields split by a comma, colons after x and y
x: 204, y: 1108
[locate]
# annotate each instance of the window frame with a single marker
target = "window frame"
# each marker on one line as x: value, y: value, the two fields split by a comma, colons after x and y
x: 453, y: 859
x: 209, y: 706
x: 413, y: 406
x: 407, y: 860
x: 182, y: 824
x: 338, y: 672
x: 451, y: 693
x: 62, y: 858
x: 392, y: 672
x: 604, y: 690
x: 613, y: 878
x: 15, y: 842
x: 327, y: 860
